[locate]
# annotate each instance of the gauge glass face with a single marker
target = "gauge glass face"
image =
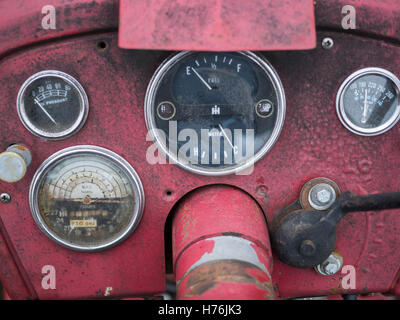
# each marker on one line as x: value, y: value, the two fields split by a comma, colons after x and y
x: 369, y: 102
x: 218, y: 112
x: 87, y: 200
x: 52, y: 105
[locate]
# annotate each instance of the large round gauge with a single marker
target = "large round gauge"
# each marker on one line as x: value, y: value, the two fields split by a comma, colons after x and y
x: 52, y: 105
x: 86, y: 198
x: 368, y: 101
x: 215, y: 113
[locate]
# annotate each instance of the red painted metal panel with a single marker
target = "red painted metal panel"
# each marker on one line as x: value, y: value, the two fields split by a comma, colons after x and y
x: 380, y: 18
x: 223, y: 25
x: 21, y: 20
x: 313, y: 143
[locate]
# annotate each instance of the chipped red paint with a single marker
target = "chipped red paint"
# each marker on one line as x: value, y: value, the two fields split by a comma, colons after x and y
x: 212, y: 214
x: 313, y: 143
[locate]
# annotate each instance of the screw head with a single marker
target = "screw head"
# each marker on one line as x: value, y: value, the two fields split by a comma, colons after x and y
x: 323, y: 196
x: 327, y: 43
x: 5, y: 198
x: 331, y: 265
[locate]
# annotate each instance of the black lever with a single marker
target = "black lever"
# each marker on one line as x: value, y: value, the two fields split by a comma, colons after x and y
x: 306, y: 238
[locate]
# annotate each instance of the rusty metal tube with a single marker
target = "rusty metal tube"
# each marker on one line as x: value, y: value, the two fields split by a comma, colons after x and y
x: 221, y: 247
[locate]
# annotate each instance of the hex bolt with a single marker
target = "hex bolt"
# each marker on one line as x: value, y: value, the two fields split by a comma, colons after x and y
x: 5, y: 198
x: 327, y: 43
x: 331, y: 265
x: 321, y: 196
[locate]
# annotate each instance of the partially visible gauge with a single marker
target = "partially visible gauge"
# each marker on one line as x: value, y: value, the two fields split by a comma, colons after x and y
x: 215, y: 113
x: 52, y: 105
x: 86, y: 198
x: 368, y: 101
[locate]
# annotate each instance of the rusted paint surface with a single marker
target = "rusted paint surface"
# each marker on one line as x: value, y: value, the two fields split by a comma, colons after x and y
x: 223, y: 216
x: 230, y: 277
x: 222, y: 25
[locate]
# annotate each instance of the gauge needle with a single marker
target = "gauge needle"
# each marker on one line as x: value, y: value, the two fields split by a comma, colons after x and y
x: 44, y: 110
x: 364, y: 116
x: 229, y: 140
x: 201, y: 78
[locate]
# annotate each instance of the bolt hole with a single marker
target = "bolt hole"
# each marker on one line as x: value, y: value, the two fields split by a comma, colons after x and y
x: 102, y: 45
x: 168, y: 195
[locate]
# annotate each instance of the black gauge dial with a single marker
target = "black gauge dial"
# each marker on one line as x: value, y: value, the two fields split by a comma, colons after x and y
x: 219, y: 112
x: 368, y: 101
x: 52, y: 105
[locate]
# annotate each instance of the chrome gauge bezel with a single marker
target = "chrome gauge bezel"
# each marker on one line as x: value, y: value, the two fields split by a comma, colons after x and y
x: 156, y: 136
x: 340, y: 108
x: 83, y: 112
x: 117, y: 160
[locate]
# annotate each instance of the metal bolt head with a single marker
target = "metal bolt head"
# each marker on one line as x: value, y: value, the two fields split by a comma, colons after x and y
x: 321, y: 196
x: 327, y: 43
x: 5, y: 197
x: 331, y: 265
x: 307, y: 248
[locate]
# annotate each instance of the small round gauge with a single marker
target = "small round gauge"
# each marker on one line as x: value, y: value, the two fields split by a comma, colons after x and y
x: 86, y: 198
x: 368, y: 101
x: 215, y: 113
x: 52, y: 105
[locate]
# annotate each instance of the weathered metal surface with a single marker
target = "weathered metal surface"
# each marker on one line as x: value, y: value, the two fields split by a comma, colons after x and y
x: 21, y: 20
x: 222, y: 25
x: 212, y: 259
x: 378, y: 18
x: 226, y: 280
x: 313, y: 143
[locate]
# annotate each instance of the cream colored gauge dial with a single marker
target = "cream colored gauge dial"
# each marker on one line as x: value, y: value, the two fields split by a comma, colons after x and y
x: 86, y: 198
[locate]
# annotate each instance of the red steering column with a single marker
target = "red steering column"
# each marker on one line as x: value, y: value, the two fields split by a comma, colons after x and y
x: 221, y: 246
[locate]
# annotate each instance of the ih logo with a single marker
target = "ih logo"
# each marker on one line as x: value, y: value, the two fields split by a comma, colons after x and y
x: 215, y: 110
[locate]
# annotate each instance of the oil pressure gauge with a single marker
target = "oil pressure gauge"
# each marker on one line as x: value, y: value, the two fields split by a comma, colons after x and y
x: 52, y: 105
x: 86, y: 198
x: 368, y: 101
